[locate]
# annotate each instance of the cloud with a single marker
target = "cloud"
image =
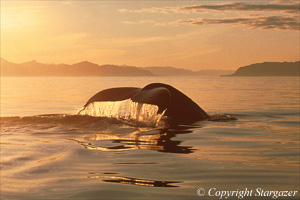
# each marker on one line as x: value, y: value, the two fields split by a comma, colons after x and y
x: 129, y: 22
x: 268, y: 22
x: 287, y: 21
x: 279, y: 14
x: 285, y: 1
x: 148, y: 10
x: 287, y: 6
x: 237, y: 6
x: 139, y: 22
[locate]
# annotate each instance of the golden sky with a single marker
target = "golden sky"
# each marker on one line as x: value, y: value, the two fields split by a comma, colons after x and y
x: 188, y: 34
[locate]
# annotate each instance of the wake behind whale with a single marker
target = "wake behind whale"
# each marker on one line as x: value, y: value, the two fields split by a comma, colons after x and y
x: 149, y: 105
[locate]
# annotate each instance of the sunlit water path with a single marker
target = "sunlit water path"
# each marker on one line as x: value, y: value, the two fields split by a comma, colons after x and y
x: 49, y: 152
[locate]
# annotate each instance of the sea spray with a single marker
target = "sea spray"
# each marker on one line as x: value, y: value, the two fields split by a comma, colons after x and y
x: 134, y: 112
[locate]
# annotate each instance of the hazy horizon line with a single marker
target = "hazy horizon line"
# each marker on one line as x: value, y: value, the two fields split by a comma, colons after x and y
x: 125, y: 65
x: 121, y: 65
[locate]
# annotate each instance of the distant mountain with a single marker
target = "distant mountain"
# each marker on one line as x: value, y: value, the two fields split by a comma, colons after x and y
x: 84, y: 68
x: 172, y: 71
x: 270, y: 69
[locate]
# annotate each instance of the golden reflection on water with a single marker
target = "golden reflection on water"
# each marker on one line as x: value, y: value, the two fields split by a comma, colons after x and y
x: 30, y: 173
x: 44, y: 158
x: 158, y: 140
x: 267, y: 148
x: 134, y: 181
x: 245, y: 156
x: 36, y: 160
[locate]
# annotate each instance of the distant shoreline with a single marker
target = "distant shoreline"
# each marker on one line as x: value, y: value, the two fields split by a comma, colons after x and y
x: 88, y: 69
x: 266, y: 69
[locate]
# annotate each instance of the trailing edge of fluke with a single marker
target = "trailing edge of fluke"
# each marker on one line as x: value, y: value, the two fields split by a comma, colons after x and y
x: 179, y: 108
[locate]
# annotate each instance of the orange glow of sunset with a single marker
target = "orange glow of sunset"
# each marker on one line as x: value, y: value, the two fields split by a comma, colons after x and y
x: 194, y: 35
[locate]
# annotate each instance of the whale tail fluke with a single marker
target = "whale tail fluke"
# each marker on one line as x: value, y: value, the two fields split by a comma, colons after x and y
x: 156, y: 99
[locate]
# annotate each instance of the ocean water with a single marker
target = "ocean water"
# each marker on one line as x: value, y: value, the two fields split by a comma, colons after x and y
x: 50, y: 152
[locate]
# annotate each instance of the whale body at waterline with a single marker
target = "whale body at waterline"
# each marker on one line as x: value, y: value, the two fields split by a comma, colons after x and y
x: 173, y: 104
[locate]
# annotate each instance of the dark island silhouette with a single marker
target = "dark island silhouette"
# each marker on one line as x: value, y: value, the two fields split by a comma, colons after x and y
x: 88, y: 69
x: 85, y: 68
x: 269, y: 69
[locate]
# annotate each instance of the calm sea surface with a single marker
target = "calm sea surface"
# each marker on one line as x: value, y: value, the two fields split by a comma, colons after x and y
x: 49, y: 152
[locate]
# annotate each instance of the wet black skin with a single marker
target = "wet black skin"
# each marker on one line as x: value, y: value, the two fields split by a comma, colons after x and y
x: 180, y: 109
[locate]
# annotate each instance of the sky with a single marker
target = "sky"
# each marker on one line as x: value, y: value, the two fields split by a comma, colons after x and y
x: 195, y: 35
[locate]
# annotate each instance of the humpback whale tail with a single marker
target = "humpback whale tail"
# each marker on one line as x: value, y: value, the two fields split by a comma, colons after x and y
x: 154, y: 100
